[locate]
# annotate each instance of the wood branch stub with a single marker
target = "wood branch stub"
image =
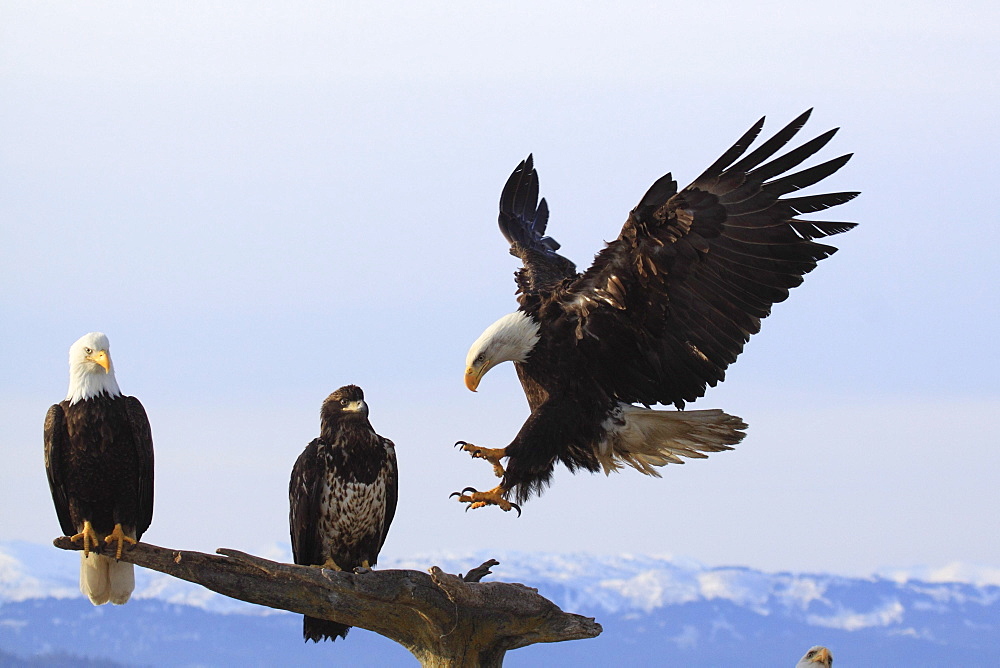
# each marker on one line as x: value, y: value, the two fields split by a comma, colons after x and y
x: 481, y: 571
x: 443, y: 619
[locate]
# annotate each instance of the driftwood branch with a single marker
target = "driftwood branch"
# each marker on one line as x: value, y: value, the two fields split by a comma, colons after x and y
x: 443, y: 619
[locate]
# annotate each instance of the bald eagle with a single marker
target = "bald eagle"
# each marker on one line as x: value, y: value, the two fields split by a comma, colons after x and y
x: 342, y: 496
x: 658, y: 317
x: 99, y: 462
x: 816, y: 657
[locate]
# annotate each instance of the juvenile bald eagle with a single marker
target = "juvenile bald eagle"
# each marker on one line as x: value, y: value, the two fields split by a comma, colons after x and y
x: 659, y: 316
x: 99, y: 462
x: 342, y: 496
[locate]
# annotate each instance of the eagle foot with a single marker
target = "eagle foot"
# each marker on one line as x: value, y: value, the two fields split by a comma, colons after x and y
x: 119, y: 535
x: 493, y: 497
x: 492, y: 455
x: 89, y: 538
x: 330, y: 565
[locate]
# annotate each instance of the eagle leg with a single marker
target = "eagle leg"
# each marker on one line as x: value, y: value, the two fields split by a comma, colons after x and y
x: 89, y: 538
x: 493, y: 497
x: 492, y: 455
x: 120, y: 536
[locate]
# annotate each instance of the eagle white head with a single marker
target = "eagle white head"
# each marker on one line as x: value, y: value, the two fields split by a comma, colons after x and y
x: 90, y: 370
x: 509, y: 339
x: 816, y: 657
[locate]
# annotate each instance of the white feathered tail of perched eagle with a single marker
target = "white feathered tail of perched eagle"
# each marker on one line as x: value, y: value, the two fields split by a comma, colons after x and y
x: 342, y: 496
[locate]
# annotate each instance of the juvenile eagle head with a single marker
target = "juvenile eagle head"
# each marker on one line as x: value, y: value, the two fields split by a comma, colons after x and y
x: 91, y: 372
x: 509, y: 339
x: 347, y: 403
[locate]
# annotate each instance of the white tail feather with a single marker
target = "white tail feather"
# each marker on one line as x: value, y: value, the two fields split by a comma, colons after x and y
x: 103, y: 579
x: 643, y: 438
x: 121, y: 576
x: 94, y: 580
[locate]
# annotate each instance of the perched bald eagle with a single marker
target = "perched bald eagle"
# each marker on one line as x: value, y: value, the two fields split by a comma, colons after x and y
x: 816, y: 657
x: 99, y: 461
x: 659, y: 316
x: 342, y: 496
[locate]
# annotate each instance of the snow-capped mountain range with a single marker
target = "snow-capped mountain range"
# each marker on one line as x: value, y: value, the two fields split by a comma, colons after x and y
x: 655, y: 611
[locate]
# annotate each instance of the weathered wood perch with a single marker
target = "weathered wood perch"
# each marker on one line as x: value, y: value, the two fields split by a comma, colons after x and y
x: 443, y: 619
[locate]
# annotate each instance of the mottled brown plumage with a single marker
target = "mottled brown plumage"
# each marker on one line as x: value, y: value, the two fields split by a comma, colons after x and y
x: 342, y: 495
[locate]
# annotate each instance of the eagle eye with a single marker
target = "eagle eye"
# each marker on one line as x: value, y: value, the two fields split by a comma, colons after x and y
x: 344, y: 402
x: 88, y: 351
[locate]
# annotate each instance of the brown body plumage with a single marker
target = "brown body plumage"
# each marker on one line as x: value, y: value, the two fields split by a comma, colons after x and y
x: 342, y: 495
x: 99, y: 463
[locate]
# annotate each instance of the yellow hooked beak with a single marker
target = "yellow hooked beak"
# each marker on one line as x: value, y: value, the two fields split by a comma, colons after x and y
x: 473, y: 375
x: 822, y: 656
x: 101, y: 357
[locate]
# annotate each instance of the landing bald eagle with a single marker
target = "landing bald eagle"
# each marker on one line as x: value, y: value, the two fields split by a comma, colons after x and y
x: 659, y: 316
x: 99, y: 462
x: 342, y: 496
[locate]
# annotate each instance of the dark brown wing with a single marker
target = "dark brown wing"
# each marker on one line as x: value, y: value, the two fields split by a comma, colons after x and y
x: 56, y: 445
x: 391, y: 490
x: 669, y: 305
x: 144, y: 457
x: 523, y: 219
x: 533, y: 390
x: 303, y: 513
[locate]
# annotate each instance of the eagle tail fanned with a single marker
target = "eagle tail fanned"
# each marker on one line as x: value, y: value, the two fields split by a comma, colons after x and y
x: 644, y: 438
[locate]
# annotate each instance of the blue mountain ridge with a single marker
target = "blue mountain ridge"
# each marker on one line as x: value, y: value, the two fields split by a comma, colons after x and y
x: 654, y: 611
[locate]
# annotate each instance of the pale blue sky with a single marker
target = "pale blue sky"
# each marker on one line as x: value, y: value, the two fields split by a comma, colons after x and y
x: 259, y: 203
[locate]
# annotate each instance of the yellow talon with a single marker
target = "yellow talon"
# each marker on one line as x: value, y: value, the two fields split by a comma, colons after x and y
x: 120, y: 536
x: 493, y: 497
x: 492, y: 455
x: 88, y: 536
x: 330, y: 564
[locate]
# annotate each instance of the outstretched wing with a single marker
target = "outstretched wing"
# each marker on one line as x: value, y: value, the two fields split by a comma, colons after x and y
x: 144, y: 456
x: 523, y: 219
x: 669, y: 305
x: 303, y: 512
x: 56, y: 444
